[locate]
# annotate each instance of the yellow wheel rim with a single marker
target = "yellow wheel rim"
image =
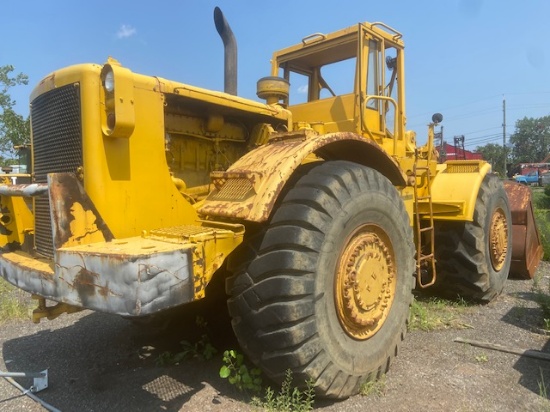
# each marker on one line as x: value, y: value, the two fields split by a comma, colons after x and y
x: 365, y: 282
x: 498, y: 238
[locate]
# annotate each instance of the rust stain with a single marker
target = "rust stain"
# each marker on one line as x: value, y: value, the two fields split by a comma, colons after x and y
x: 85, y: 282
x: 75, y: 218
x: 526, y: 246
x: 519, y: 197
x: 270, y: 166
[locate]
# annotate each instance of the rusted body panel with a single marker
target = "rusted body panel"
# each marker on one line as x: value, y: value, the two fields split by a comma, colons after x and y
x: 526, y: 246
x: 249, y: 189
x: 134, y: 276
x: 75, y: 219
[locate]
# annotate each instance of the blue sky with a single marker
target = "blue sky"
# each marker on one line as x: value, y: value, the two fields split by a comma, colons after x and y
x: 463, y: 57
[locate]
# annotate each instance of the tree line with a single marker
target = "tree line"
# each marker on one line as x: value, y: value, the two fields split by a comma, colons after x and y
x: 14, y: 128
x: 530, y: 143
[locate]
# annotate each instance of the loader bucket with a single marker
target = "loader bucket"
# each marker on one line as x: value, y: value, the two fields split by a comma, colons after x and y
x: 526, y: 246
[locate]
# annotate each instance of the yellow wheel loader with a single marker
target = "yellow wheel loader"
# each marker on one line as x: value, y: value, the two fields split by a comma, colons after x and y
x: 317, y: 206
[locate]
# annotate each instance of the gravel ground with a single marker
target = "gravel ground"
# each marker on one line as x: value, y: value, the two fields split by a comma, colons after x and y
x: 99, y: 362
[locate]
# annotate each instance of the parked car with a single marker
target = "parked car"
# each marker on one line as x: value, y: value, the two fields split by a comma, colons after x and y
x: 530, y: 178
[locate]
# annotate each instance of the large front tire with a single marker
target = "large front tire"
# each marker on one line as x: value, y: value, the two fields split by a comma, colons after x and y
x: 473, y: 258
x: 326, y: 292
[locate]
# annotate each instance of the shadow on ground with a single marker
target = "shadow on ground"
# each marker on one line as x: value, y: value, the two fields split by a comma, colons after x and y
x: 535, y: 372
x: 103, y: 362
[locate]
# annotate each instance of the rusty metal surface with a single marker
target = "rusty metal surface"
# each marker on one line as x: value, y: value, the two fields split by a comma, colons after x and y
x: 25, y: 190
x: 526, y: 246
x: 131, y: 277
x: 268, y: 168
x: 75, y: 219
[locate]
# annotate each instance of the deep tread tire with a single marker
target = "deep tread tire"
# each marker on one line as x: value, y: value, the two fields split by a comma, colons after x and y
x: 282, y: 299
x: 463, y: 253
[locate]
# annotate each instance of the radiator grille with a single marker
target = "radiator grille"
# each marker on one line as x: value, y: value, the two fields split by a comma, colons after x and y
x: 466, y: 168
x: 234, y: 190
x: 57, y: 147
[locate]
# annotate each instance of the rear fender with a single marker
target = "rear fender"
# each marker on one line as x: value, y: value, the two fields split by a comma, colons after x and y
x: 249, y: 189
x: 455, y: 188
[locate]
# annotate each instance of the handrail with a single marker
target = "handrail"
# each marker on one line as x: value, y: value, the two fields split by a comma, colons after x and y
x: 315, y: 37
x: 397, y: 35
x: 392, y: 101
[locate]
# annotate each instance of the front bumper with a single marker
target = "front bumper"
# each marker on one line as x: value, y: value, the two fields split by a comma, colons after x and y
x: 90, y: 269
x: 133, y: 277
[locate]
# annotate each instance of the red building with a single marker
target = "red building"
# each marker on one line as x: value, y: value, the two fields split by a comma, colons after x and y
x: 450, y: 152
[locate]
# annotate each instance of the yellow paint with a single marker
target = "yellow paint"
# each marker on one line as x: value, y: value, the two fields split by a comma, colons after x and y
x: 458, y: 189
x: 18, y: 220
x: 83, y: 227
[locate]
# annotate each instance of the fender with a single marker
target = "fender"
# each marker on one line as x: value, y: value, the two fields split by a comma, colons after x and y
x: 455, y: 188
x: 249, y: 189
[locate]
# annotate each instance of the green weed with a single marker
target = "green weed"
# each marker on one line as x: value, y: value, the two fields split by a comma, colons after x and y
x: 482, y: 358
x: 202, y: 349
x: 13, y: 303
x: 542, y: 298
x: 374, y: 387
x: 433, y: 313
x: 289, y: 399
x: 541, y: 205
x: 543, y: 393
x: 542, y: 219
x: 239, y: 374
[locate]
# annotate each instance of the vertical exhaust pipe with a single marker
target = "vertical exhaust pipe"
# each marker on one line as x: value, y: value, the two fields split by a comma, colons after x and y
x: 230, y: 52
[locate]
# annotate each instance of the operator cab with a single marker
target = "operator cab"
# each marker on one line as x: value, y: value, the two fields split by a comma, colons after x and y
x: 350, y: 80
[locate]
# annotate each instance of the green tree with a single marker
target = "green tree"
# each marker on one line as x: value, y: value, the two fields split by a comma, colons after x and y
x: 14, y: 128
x: 494, y: 154
x: 531, y: 139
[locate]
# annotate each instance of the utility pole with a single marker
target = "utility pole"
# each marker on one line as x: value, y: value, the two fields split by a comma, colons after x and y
x: 504, y: 135
x: 459, y: 143
x: 438, y: 137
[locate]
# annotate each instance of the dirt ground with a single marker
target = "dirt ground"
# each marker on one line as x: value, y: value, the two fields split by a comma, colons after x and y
x: 99, y: 362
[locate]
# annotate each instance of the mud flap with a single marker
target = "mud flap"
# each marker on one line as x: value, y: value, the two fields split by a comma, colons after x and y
x: 526, y: 246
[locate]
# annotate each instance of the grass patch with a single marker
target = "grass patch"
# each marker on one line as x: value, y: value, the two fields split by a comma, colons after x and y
x: 541, y: 296
x: 482, y: 358
x: 433, y: 313
x: 543, y: 392
x: 541, y: 205
x: 289, y: 398
x: 14, y: 303
x: 374, y: 388
x: 542, y: 218
x: 541, y: 197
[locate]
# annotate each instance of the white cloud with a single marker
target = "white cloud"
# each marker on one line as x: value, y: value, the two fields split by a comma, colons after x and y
x: 302, y: 89
x: 125, y: 31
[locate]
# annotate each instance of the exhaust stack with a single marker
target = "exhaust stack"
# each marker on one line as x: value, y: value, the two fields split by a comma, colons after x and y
x: 230, y: 52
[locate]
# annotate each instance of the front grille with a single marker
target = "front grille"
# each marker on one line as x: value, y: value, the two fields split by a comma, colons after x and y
x: 57, y: 147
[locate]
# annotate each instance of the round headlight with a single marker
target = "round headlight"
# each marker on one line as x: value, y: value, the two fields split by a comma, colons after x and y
x: 109, y: 81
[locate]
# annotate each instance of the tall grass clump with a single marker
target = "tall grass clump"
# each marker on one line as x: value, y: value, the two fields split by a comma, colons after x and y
x: 14, y: 304
x: 541, y: 204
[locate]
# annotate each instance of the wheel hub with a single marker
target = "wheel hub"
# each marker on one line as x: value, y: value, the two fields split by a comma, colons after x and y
x: 498, y: 238
x: 365, y: 282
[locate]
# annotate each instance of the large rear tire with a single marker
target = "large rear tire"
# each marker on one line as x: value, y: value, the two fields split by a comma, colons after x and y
x: 326, y: 290
x: 473, y: 258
